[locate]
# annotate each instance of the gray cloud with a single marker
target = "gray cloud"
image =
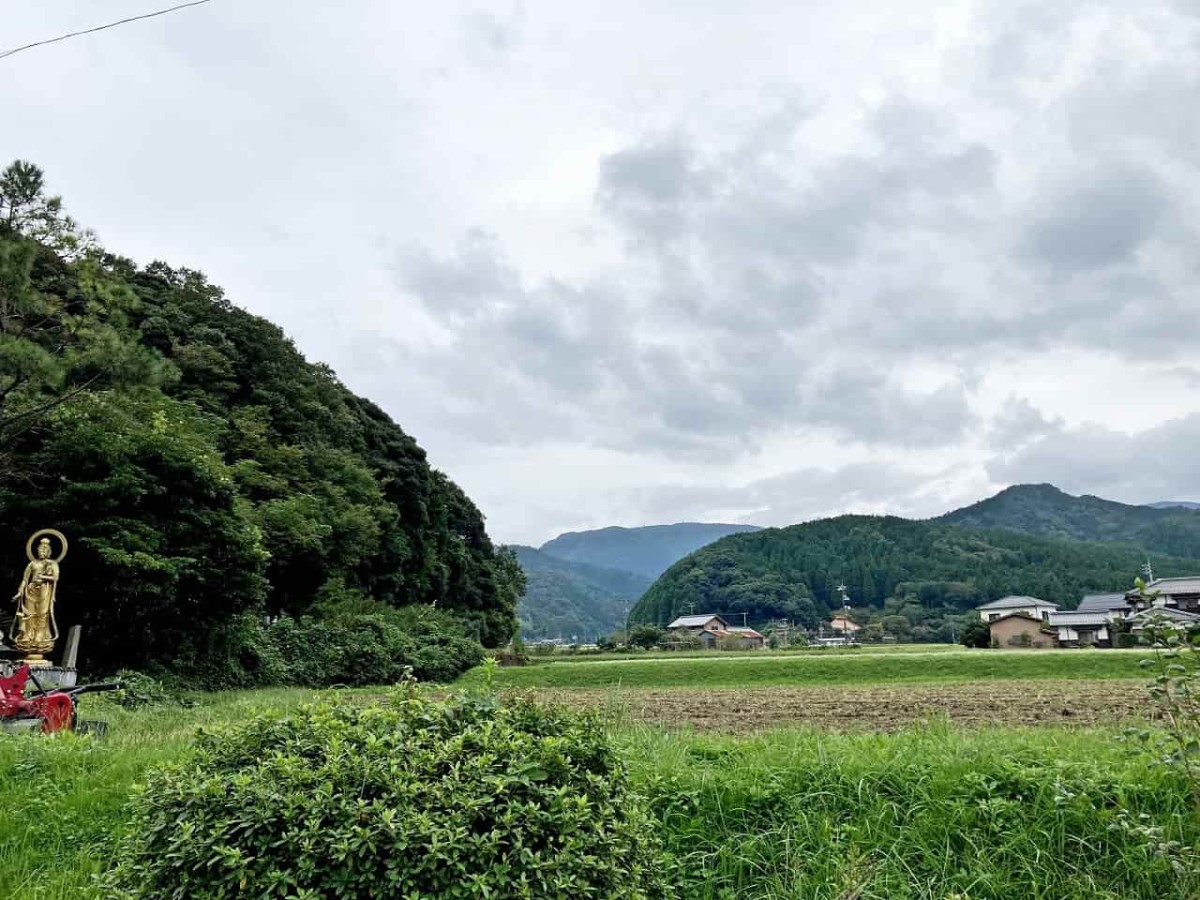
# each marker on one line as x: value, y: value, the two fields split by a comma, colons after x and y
x: 1155, y: 464
x: 673, y: 242
x: 1099, y: 221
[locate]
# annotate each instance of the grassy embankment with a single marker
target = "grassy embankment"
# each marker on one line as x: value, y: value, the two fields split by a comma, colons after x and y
x: 766, y: 669
x: 924, y: 813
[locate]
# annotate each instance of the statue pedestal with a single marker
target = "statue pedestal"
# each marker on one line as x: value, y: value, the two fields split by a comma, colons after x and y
x: 48, y: 676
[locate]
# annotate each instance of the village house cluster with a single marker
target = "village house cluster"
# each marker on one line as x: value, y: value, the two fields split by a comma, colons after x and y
x: 714, y: 632
x: 1097, y: 621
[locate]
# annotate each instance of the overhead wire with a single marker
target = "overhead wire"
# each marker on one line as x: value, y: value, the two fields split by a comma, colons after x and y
x: 63, y: 37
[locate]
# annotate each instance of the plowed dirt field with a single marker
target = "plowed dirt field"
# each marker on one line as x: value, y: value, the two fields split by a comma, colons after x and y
x: 885, y: 708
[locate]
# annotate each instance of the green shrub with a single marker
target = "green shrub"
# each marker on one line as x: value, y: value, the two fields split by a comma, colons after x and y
x: 416, y: 798
x: 139, y: 690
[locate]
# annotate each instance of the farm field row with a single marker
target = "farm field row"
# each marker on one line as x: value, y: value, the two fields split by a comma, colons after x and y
x: 1072, y: 704
x: 934, y: 811
x: 750, y: 670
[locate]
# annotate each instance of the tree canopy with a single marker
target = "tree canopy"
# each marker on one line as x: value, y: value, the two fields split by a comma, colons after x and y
x: 201, y: 466
x: 921, y: 571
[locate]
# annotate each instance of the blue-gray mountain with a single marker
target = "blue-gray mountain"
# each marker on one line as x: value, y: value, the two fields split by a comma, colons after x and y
x: 648, y: 551
x: 583, y: 584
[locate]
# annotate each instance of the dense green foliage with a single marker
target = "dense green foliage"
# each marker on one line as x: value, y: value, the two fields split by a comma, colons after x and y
x: 371, y: 644
x: 915, y: 572
x: 1044, y: 509
x: 456, y: 799
x: 869, y: 665
x: 201, y: 466
x: 646, y: 551
x: 571, y: 600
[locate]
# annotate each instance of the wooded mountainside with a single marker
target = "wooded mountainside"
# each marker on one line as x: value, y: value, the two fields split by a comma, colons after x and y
x: 1045, y: 510
x: 921, y: 572
x: 574, y: 600
x: 201, y: 467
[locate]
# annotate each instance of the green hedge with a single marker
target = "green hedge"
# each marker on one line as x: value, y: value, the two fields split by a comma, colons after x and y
x: 464, y: 798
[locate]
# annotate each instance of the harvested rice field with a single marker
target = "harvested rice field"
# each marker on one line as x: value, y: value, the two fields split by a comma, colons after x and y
x: 1069, y: 703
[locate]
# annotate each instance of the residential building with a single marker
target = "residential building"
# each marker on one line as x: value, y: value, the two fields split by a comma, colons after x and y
x: 709, y: 628
x: 1082, y: 628
x: 1032, y: 606
x: 1139, y: 620
x: 1019, y: 629
x: 1177, y: 593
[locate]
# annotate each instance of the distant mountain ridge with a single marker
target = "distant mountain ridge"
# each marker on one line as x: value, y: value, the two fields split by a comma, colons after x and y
x: 1043, y: 509
x: 649, y: 550
x: 583, y: 584
x: 1174, y: 504
x: 920, y: 571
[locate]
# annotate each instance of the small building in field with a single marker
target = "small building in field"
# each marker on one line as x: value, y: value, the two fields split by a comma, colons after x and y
x: 1031, y: 606
x: 1019, y: 629
x: 840, y: 624
x: 743, y: 638
x: 709, y: 628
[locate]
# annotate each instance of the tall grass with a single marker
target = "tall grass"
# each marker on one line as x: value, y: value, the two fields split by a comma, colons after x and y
x: 929, y: 813
x: 719, y: 670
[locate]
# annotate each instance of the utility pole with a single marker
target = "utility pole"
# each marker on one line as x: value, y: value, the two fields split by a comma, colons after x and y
x: 845, y: 614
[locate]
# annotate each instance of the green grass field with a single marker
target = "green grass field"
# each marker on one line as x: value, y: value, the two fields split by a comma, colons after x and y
x: 930, y: 811
x: 762, y: 669
x: 853, y: 649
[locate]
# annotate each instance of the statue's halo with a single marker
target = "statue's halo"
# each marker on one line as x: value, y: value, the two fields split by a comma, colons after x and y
x: 62, y: 539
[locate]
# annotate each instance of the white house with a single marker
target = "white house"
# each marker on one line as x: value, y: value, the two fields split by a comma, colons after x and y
x: 1031, y: 606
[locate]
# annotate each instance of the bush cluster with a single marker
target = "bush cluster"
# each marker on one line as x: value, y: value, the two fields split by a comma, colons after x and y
x: 373, y: 644
x: 415, y: 798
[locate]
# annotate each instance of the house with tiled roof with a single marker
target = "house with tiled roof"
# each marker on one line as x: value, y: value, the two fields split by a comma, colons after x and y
x: 1177, y: 593
x: 1032, y: 606
x: 709, y: 628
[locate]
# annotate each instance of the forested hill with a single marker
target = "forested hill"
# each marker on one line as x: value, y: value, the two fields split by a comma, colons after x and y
x: 574, y: 601
x: 1045, y: 510
x: 647, y: 551
x: 200, y: 465
x: 923, y: 569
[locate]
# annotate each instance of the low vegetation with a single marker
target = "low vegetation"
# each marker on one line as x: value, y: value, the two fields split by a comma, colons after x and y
x: 463, y: 798
x: 814, y: 668
x: 926, y: 812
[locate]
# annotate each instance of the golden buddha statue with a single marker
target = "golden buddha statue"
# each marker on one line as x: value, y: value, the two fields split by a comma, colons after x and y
x: 34, y: 629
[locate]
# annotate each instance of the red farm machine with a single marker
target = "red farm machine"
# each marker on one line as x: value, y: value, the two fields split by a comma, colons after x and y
x: 47, y: 709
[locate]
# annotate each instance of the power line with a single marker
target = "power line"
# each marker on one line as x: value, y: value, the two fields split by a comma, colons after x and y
x: 161, y: 12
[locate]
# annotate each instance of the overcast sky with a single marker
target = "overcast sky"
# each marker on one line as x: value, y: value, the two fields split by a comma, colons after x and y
x: 643, y: 262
